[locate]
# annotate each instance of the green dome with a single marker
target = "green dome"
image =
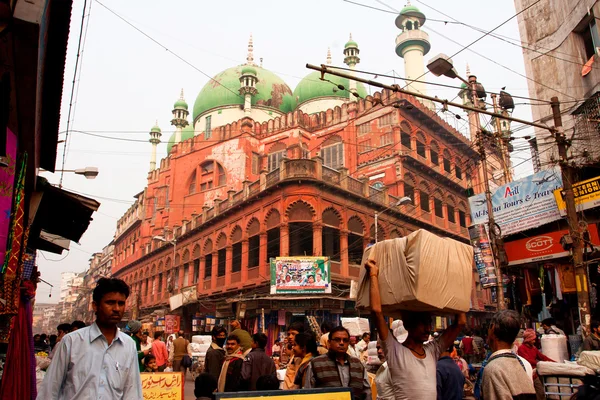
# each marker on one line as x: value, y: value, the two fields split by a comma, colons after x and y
x: 410, y: 9
x: 186, y: 133
x: 351, y: 43
x: 223, y: 90
x: 312, y: 87
x: 180, y: 104
x: 248, y: 69
x: 155, y: 128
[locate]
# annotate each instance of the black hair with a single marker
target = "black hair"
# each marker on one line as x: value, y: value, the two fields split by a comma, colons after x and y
x: 364, y: 335
x: 506, y: 324
x: 205, y: 385
x: 296, y: 326
x: 53, y: 338
x: 157, y: 334
x: 148, y: 358
x: 233, y: 337
x: 412, y: 319
x: 450, y: 349
x: 594, y: 325
x: 218, y: 329
x: 260, y: 339
x: 290, y: 346
x: 78, y: 324
x: 308, y: 341
x: 110, y: 285
x: 339, y: 329
x: 43, y: 336
x: 267, y: 382
x: 64, y: 327
x: 325, y: 327
x: 549, y: 322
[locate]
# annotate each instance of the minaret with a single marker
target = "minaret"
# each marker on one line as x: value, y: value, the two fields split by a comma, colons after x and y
x: 351, y: 58
x: 412, y: 44
x: 180, y: 114
x: 328, y: 56
x: 155, y: 135
x: 248, y: 80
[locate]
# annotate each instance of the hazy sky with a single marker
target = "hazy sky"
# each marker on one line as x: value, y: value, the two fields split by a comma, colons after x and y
x: 127, y: 81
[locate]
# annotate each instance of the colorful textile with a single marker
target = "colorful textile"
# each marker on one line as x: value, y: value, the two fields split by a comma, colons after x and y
x: 28, y: 264
x: 17, y: 230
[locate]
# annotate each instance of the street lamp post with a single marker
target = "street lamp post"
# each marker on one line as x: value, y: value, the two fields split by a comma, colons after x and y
x: 88, y: 172
x: 404, y: 200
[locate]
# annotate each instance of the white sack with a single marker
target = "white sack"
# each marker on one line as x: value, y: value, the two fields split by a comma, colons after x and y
x: 356, y: 326
x: 202, y: 339
x: 555, y: 347
x: 590, y: 359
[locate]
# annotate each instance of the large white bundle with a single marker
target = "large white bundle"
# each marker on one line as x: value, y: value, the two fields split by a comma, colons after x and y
x: 419, y: 272
x: 400, y: 333
x: 203, y: 339
x: 567, y: 369
x: 356, y: 326
x: 555, y: 347
x: 199, y: 347
x: 590, y: 359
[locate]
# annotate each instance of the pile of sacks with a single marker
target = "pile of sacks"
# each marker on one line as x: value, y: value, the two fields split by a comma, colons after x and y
x: 200, y: 344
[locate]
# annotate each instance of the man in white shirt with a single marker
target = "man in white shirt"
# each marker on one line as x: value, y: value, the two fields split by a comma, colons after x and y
x: 412, y: 364
x: 352, y: 348
x: 383, y: 379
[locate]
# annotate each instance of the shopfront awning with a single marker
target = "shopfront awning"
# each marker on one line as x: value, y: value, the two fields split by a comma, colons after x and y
x: 58, y: 216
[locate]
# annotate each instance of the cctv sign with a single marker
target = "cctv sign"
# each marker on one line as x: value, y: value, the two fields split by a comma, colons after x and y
x: 543, y: 247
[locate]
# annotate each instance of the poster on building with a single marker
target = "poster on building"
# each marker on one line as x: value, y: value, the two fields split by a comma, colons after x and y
x: 482, y: 253
x: 162, y: 385
x: 523, y: 204
x: 300, y: 275
x: 171, y: 324
x: 586, y: 193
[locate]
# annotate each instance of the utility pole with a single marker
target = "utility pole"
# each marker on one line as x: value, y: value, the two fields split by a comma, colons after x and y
x: 583, y: 296
x: 507, y: 174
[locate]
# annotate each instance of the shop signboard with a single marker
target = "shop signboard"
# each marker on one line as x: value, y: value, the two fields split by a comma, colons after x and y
x: 162, y: 385
x: 586, y: 193
x: 482, y: 253
x: 332, y: 393
x: 545, y: 246
x: 172, y: 324
x: 300, y: 275
x: 520, y: 205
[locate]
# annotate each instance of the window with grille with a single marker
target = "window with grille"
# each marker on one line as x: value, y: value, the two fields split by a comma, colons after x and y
x: 236, y: 254
x: 386, y: 139
x: 192, y: 187
x: 385, y: 120
x: 447, y: 166
x: 333, y: 156
x: 458, y: 171
x: 439, y: 208
x: 221, y: 262
x: 424, y: 201
x: 211, y: 172
x: 208, y: 266
x: 462, y: 219
x: 365, y: 145
x: 255, y: 163
x: 409, y: 191
x: 363, y: 129
x: 186, y: 274
x: 207, y: 127
x: 196, y: 270
x: 434, y: 156
x: 421, y: 149
x: 275, y: 160
x: 451, y: 214
x: 405, y: 140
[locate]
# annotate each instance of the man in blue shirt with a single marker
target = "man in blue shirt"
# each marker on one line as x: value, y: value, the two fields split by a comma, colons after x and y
x: 450, y: 379
x: 98, y: 361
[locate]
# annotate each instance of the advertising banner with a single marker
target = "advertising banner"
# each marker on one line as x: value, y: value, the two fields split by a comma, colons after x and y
x: 300, y: 275
x: 484, y: 258
x: 162, y: 385
x: 523, y: 204
x: 171, y: 324
x: 545, y: 246
x: 586, y: 193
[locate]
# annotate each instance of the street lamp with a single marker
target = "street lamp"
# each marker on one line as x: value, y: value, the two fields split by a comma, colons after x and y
x: 88, y: 172
x: 442, y: 65
x: 403, y: 200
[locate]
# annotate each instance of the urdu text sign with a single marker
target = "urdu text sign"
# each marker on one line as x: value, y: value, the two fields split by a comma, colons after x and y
x: 162, y: 386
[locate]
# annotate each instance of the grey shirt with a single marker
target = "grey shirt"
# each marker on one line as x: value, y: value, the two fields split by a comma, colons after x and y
x: 344, y: 371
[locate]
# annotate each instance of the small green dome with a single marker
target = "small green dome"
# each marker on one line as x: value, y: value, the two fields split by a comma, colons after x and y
x: 248, y: 69
x: 181, y: 104
x: 186, y: 133
x: 223, y: 90
x: 155, y: 128
x: 463, y: 86
x: 350, y: 43
x: 409, y: 9
x: 407, y: 12
x: 312, y: 87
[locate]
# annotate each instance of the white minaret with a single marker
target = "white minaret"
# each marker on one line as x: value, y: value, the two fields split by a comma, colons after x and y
x: 328, y: 56
x: 351, y: 58
x: 155, y: 135
x: 248, y: 79
x: 180, y: 114
x: 412, y: 44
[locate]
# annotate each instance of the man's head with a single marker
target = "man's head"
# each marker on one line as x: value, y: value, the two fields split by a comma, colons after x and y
x: 339, y: 339
x: 36, y: 338
x: 180, y: 333
x: 294, y: 329
x: 233, y: 344
x: 259, y: 341
x: 109, y: 299
x: 63, y: 328
x: 144, y: 337
x: 366, y: 337
x: 319, y: 277
x: 595, y: 327
x: 447, y: 352
x: 77, y: 325
x: 548, y: 323
x: 352, y: 341
x: 380, y: 353
x: 418, y: 325
x: 326, y: 327
x: 219, y: 335
x: 311, y: 279
x: 235, y: 324
x: 205, y: 385
x: 504, y: 329
x: 134, y: 328
x: 158, y: 335
x: 305, y: 343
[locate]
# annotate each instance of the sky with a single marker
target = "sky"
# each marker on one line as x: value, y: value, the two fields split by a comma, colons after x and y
x: 127, y: 80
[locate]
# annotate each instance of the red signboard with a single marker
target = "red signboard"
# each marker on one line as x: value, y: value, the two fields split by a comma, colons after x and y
x: 543, y: 247
x: 172, y: 324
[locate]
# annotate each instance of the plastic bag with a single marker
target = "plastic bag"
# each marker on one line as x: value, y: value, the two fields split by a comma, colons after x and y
x: 168, y: 369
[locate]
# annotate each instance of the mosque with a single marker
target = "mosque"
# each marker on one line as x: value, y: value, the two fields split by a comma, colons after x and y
x: 261, y: 171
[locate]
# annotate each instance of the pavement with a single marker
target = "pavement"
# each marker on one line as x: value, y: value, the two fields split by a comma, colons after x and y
x: 188, y: 390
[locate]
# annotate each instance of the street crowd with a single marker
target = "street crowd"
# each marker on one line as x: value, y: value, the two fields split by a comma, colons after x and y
x: 101, y: 361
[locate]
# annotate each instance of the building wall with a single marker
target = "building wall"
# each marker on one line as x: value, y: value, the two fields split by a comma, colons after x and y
x: 553, y: 34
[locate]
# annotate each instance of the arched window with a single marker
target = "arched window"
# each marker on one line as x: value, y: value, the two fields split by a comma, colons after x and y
x: 409, y: 186
x: 331, y: 235
x: 434, y: 153
x: 300, y: 218
x: 450, y: 205
x: 192, y: 184
x: 332, y: 151
x: 421, y: 145
x: 212, y: 175
x: 186, y: 268
x: 447, y: 162
x: 253, y: 232
x: 462, y: 215
x: 272, y: 222
x: 405, y: 134
x: 276, y: 154
x: 221, y: 255
x: 208, y: 258
x: 424, y: 197
x: 236, y: 249
x: 355, y: 240
x: 196, y: 257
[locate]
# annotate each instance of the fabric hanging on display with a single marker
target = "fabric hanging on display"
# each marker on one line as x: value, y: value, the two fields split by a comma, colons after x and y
x: 28, y: 262
x: 558, y: 281
x: 19, y: 379
x: 567, y: 278
x: 281, y: 318
x: 13, y: 250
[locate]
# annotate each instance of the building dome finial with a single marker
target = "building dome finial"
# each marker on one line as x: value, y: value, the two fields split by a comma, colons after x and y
x: 250, y: 57
x: 328, y: 56
x: 468, y: 70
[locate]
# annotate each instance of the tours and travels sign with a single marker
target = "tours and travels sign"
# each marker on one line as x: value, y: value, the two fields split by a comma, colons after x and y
x: 300, y: 275
x: 523, y: 204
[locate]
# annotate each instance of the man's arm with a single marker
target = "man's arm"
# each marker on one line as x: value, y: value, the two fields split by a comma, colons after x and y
x: 57, y: 371
x: 132, y: 389
x: 452, y: 332
x: 375, y: 299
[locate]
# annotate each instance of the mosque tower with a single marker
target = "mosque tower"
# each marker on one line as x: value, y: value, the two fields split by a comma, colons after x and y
x: 155, y: 135
x: 248, y: 80
x: 412, y: 44
x: 180, y: 114
x: 351, y: 58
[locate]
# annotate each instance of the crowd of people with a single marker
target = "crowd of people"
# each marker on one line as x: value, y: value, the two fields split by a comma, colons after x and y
x: 102, y: 361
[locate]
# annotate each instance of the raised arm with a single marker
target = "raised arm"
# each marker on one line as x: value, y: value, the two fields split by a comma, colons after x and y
x: 375, y: 299
x: 453, y: 330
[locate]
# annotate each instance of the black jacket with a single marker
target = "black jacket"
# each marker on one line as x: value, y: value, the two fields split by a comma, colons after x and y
x: 214, y: 360
x: 256, y: 364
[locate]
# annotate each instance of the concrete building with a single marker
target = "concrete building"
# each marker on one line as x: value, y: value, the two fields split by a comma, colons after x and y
x: 560, y: 42
x: 100, y: 267
x: 39, y: 311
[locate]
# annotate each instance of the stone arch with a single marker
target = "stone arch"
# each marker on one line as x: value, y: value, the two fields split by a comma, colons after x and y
x: 434, y: 146
x: 186, y: 256
x: 208, y: 246
x: 395, y: 233
x: 177, y: 260
x: 332, y: 140
x: 272, y: 219
x: 380, y: 231
x: 462, y: 206
x: 236, y: 234
x: 277, y: 147
x: 160, y: 267
x: 221, y: 241
x: 331, y: 217
x: 450, y: 200
x: 168, y: 263
x: 446, y: 154
x: 356, y: 225
x: 421, y: 137
x: 196, y: 251
x: 253, y: 227
x: 135, y: 277
x: 405, y: 127
x: 153, y: 270
x: 300, y: 211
